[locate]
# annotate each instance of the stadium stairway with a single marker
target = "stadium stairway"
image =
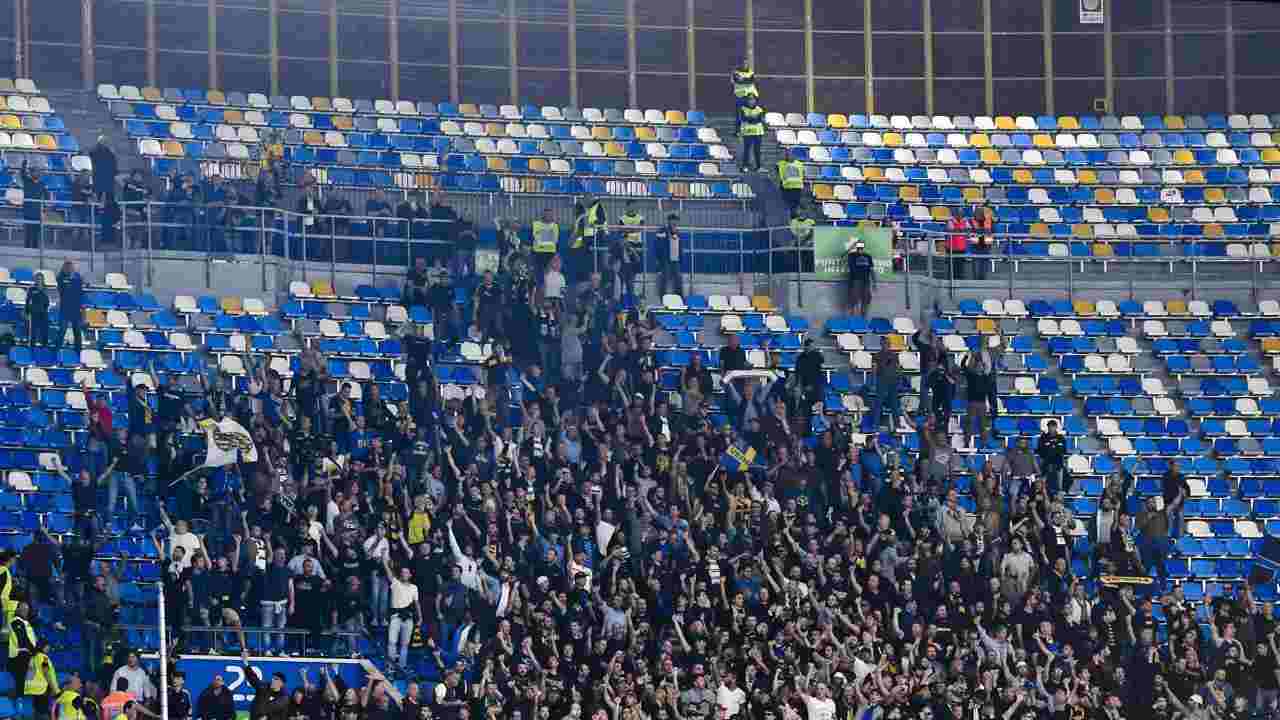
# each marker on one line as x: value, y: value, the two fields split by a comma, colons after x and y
x: 87, y: 118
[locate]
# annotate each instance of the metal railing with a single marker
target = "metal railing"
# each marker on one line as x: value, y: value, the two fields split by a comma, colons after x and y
x: 713, y: 256
x: 222, y: 638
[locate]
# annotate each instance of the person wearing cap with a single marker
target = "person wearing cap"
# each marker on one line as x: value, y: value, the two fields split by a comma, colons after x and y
x: 862, y: 278
x: 270, y: 701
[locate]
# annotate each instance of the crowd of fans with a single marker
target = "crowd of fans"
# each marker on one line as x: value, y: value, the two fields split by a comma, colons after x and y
x: 568, y: 539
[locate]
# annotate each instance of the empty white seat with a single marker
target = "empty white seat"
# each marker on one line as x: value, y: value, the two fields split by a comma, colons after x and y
x: 1015, y: 308
x: 1154, y: 329
x: 1248, y: 529
x: 848, y: 342
x: 1025, y: 385
x: 1118, y: 363
x: 740, y: 303
x: 718, y: 303
x: 1165, y: 406
x: 992, y: 306
x: 909, y: 361
x: 672, y: 301
x: 1095, y: 363
x: 861, y: 360
x: 1153, y: 386
x: 181, y: 342
x: 1071, y: 327
x: 1108, y: 427
x: 731, y: 323
x: 1222, y: 329
x: 954, y: 344
x: 38, y: 377
x: 329, y: 328
x: 1107, y: 308
x: 231, y: 364
x: 757, y: 359
x: 904, y: 326
x: 1127, y: 345
x: 1120, y: 446
x: 1079, y: 465
x: 1048, y: 327
x: 1246, y: 406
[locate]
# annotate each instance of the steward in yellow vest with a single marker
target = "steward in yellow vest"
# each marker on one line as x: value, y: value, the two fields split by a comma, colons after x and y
x: 744, y: 82
x: 41, y: 679
x: 791, y: 178
x: 545, y: 240
x: 751, y: 129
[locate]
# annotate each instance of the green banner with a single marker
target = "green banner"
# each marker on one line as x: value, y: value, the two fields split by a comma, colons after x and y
x: 831, y: 247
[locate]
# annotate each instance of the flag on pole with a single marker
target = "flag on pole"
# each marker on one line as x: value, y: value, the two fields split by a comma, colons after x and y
x: 738, y: 458
x: 228, y: 442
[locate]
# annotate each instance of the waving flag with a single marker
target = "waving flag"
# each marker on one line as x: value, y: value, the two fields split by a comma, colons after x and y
x: 227, y: 441
x: 738, y: 458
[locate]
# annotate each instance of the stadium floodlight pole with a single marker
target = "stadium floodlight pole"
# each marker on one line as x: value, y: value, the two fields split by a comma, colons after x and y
x: 164, y: 658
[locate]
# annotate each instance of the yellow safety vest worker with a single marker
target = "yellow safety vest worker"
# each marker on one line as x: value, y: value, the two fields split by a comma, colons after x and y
x: 634, y: 239
x: 66, y: 707
x: 546, y: 236
x: 17, y: 626
x: 791, y: 174
x: 802, y: 229
x: 587, y: 223
x: 744, y: 83
x: 37, y: 681
x: 752, y: 121
x: 6, y: 593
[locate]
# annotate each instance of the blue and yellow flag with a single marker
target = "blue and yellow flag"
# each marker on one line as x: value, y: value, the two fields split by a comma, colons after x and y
x: 738, y: 458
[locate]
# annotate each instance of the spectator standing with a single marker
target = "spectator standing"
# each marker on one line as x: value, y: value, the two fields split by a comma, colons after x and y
x: 38, y: 314
x: 70, y: 305
x: 888, y: 378
x: 100, y: 617
x: 1175, y: 491
x: 215, y: 702
x: 34, y: 193
x: 406, y: 614
x: 669, y: 251
x: 545, y: 241
x: 982, y: 241
x: 732, y: 356
x: 744, y: 87
x: 554, y: 282
x: 631, y: 247
x: 444, y: 222
x: 137, y: 681
x: 270, y: 701
x: 549, y: 340
x: 589, y: 219
x: 1153, y: 532
x: 977, y: 388
x: 22, y: 643
x: 750, y: 124
x: 862, y: 279
x: 813, y: 379
x: 791, y: 180
x: 105, y: 169
x: 1051, y: 448
x: 958, y: 243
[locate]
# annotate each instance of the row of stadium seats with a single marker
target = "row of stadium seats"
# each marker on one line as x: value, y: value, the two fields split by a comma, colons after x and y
x: 1025, y: 123
x: 1028, y: 141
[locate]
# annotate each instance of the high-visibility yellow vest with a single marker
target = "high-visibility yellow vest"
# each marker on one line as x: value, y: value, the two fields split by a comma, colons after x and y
x: 802, y: 228
x: 744, y: 83
x: 37, y: 682
x: 587, y: 222
x: 633, y: 219
x: 7, y: 603
x: 18, y: 625
x: 752, y: 121
x: 546, y: 236
x: 791, y: 174
x: 66, y: 708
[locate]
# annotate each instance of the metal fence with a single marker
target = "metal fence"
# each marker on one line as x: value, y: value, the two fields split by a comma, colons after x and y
x: 378, y: 248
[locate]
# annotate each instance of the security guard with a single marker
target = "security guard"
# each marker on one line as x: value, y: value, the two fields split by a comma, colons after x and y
x: 69, y: 705
x: 7, y: 603
x: 791, y: 178
x: 41, y: 681
x: 751, y: 128
x: 22, y: 643
x: 546, y: 240
x: 632, y: 246
x: 589, y: 218
x: 744, y: 84
x: 801, y: 228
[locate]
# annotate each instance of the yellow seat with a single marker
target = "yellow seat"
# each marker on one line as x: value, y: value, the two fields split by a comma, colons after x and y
x: 1087, y: 177
x: 468, y: 109
x: 495, y: 163
x: 1158, y: 214
x: 173, y: 148
x: 215, y: 97
x: 986, y: 326
x: 1214, y: 195
x: 1271, y: 345
x: 1104, y: 196
x: 321, y: 104
x: 897, y: 343
x: 1174, y: 122
x: 232, y: 305
x: 600, y: 132
x: 940, y: 213
x: 342, y: 122
x: 1271, y: 155
x: 495, y: 130
x: 1101, y: 249
x: 1004, y: 122
x: 1193, y: 177
x: 1183, y: 157
x: 322, y: 289
x: 233, y: 117
x: 1039, y: 230
x: 1043, y: 141
x: 644, y: 133
x: 1068, y: 122
x: 822, y: 192
x: 10, y: 122
x: 990, y: 157
x: 615, y: 149
x: 4, y: 104
x: 837, y: 121
x: 539, y: 165
x: 1021, y: 176
x: 1083, y: 307
x: 46, y: 142
x: 1176, y: 307
x: 872, y: 174
x: 313, y: 137
x: 973, y: 195
x: 531, y: 184
x: 676, y: 117
x: 763, y: 303
x: 1082, y: 230
x: 979, y: 140
x: 152, y: 94
x: 893, y: 139
x: 679, y: 189
x: 95, y: 318
x: 1213, y: 230
x: 909, y: 193
x: 425, y: 181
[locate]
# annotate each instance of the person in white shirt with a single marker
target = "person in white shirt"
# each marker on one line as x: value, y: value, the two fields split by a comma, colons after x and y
x: 553, y: 281
x: 139, y: 682
x: 820, y: 706
x: 180, y: 536
x: 729, y: 697
x: 406, y: 612
x: 376, y: 550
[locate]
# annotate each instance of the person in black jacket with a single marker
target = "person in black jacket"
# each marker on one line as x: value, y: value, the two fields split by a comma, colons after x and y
x: 732, y: 356
x: 70, y: 304
x: 215, y: 702
x: 38, y: 314
x: 1052, y: 450
x: 179, y: 697
x: 812, y: 379
x: 34, y: 193
x: 270, y: 701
